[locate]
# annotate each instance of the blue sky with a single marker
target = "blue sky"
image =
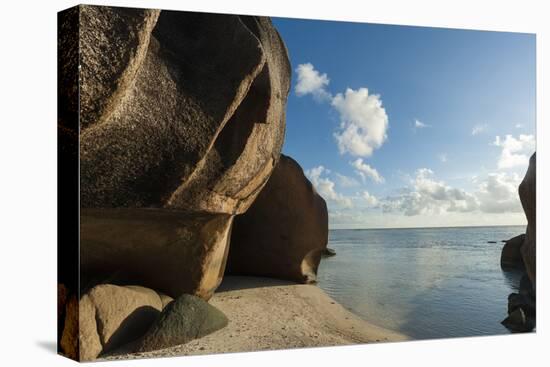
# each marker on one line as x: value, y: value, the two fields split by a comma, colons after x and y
x: 411, y: 126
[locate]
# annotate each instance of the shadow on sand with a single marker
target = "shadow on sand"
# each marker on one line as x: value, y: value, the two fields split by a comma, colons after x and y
x: 236, y: 282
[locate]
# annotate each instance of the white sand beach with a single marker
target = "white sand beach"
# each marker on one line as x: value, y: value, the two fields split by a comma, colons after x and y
x: 269, y: 314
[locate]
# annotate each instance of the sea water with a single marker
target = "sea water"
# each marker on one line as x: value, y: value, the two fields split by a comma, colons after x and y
x: 424, y: 282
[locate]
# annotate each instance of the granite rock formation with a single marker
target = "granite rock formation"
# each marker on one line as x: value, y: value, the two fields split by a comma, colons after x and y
x: 511, y: 253
x: 183, y: 320
x: 527, y: 195
x: 182, y: 120
x: 111, y: 316
x: 520, y: 252
x: 285, y: 231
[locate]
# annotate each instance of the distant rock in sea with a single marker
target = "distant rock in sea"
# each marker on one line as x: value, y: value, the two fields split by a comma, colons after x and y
x: 328, y: 252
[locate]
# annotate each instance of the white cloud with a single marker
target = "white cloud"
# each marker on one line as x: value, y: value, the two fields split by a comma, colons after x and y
x: 419, y: 124
x: 371, y: 200
x: 499, y: 193
x: 429, y: 196
x: 364, y: 170
x: 478, y: 129
x: 326, y: 187
x: 496, y: 194
x: 363, y: 122
x: 310, y: 81
x: 346, y: 181
x: 519, y: 126
x: 442, y: 157
x: 515, y: 152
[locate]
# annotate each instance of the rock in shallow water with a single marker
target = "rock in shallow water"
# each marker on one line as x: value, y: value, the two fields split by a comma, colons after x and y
x: 284, y: 232
x: 185, y: 319
x: 328, y: 252
x: 511, y: 253
x: 518, y: 322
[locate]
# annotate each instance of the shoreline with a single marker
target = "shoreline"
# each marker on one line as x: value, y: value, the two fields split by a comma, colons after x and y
x: 271, y: 314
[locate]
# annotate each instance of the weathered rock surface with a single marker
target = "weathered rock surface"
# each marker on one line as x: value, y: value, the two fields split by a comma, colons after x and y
x: 527, y: 195
x: 113, y: 43
x: 197, y: 128
x: 183, y: 320
x: 68, y: 343
x: 511, y: 253
x: 111, y: 316
x: 284, y: 232
x: 182, y: 113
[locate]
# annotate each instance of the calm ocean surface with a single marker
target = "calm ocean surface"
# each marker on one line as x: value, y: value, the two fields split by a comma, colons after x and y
x: 425, y: 282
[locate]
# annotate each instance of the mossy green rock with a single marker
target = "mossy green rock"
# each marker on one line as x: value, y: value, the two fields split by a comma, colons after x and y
x: 187, y: 318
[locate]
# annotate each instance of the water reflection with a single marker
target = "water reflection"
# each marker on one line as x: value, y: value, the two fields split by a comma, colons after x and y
x: 427, y: 283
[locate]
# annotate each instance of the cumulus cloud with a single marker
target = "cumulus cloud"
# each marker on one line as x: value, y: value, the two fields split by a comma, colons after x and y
x: 519, y: 126
x: 366, y: 171
x: 363, y: 122
x: 310, y: 81
x: 428, y: 196
x: 346, y: 181
x: 496, y: 193
x: 370, y: 200
x: 478, y: 129
x: 326, y: 187
x: 419, y: 124
x: 363, y: 119
x: 443, y: 157
x: 499, y: 193
x: 515, y: 152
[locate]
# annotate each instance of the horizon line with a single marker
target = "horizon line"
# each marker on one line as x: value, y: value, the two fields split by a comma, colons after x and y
x: 432, y: 227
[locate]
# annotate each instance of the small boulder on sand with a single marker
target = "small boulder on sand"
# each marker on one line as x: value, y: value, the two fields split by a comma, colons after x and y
x: 109, y: 316
x: 187, y: 318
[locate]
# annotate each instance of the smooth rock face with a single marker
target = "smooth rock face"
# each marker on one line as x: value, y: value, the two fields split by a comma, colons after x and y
x: 172, y: 252
x: 527, y: 195
x: 183, y: 113
x: 183, y: 320
x: 511, y: 253
x: 111, y: 316
x: 284, y: 232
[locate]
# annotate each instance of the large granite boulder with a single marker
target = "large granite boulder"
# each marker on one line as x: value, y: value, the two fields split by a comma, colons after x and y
x: 510, y: 256
x: 183, y: 320
x: 528, y: 197
x: 285, y: 231
x: 110, y: 316
x: 181, y: 124
x: 169, y: 251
